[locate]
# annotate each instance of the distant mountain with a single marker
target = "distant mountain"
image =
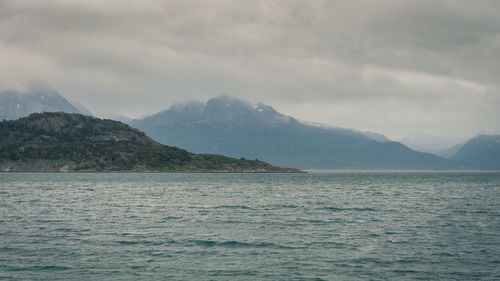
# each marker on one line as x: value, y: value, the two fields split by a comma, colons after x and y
x: 236, y: 128
x: 435, y: 144
x: 450, y: 151
x: 482, y: 151
x: 81, y: 108
x: 122, y: 118
x: 61, y: 142
x: 17, y: 104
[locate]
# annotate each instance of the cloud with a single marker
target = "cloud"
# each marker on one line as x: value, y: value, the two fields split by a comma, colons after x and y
x: 410, y: 60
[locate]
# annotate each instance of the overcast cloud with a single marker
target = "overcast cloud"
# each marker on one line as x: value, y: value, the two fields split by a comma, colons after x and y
x: 394, y: 67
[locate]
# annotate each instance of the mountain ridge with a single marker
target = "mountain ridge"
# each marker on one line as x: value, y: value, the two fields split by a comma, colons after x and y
x: 35, y: 99
x: 482, y: 151
x: 236, y: 128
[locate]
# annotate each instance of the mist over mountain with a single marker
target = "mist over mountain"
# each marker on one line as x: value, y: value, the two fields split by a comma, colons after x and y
x: 222, y: 110
x: 451, y: 150
x: 482, y: 151
x: 435, y: 144
x: 122, y: 118
x: 81, y: 108
x: 236, y: 128
x: 17, y: 104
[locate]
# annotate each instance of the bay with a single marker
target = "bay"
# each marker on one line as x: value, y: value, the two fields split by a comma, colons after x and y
x: 316, y: 226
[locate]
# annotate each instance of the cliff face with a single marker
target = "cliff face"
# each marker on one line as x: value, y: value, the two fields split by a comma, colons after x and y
x: 61, y: 142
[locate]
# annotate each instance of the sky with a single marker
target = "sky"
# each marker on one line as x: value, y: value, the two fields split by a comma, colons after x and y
x: 406, y: 69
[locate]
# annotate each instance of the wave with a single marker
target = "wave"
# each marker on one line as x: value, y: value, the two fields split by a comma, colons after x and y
x: 234, y: 207
x: 237, y: 244
x: 39, y: 268
x: 357, y: 209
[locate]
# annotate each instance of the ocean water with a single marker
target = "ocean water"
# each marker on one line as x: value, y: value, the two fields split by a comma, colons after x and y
x: 323, y: 226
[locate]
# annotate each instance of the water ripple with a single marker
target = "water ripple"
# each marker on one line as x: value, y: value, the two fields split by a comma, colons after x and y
x: 340, y: 226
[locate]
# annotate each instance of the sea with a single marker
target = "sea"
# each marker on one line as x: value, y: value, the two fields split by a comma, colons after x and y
x: 339, y: 225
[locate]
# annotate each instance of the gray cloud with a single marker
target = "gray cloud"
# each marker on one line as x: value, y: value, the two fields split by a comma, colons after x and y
x: 396, y: 67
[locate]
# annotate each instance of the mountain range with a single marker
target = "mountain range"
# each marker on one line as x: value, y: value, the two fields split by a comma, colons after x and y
x: 236, y: 128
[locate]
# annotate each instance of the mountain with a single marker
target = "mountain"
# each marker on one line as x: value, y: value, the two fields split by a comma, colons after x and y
x: 17, y: 104
x: 482, y: 151
x: 81, y: 108
x: 450, y: 151
x: 65, y: 142
x: 236, y: 128
x: 435, y: 144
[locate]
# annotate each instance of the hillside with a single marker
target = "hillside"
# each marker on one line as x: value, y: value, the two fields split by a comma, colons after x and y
x: 61, y: 142
x: 482, y: 151
x: 237, y: 128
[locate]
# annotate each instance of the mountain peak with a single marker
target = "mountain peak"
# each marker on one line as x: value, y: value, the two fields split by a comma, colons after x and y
x: 226, y: 109
x: 219, y: 110
x: 36, y: 98
x: 481, y: 150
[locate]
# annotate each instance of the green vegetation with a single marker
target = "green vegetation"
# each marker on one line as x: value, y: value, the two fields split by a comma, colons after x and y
x: 71, y: 142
